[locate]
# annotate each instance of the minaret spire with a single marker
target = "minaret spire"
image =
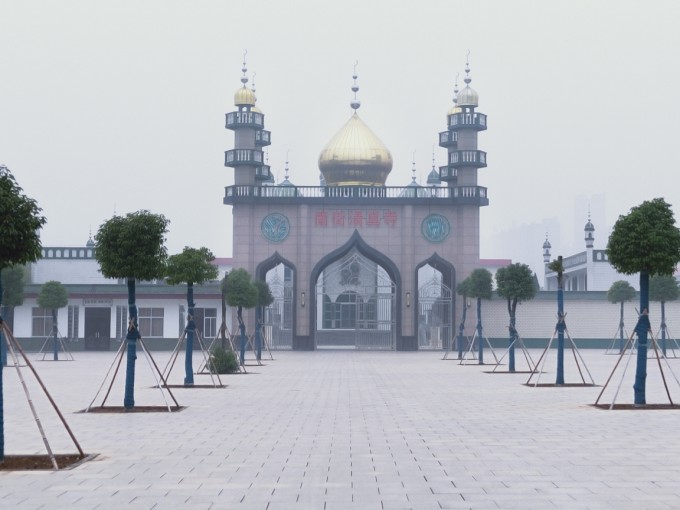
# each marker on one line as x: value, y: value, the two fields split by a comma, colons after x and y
x: 355, y: 103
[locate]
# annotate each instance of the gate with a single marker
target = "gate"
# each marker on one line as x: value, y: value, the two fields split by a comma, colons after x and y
x: 278, y: 316
x: 355, y: 305
x: 435, y: 302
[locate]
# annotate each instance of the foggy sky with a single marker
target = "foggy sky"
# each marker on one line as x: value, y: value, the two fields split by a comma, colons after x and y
x: 119, y: 106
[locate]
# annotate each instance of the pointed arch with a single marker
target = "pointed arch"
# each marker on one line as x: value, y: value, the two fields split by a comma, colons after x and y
x: 434, y: 310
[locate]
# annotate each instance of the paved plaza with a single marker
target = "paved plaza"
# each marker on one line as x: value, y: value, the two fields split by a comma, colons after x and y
x: 337, y: 430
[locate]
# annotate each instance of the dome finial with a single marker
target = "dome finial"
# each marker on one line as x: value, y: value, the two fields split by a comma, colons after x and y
x: 286, y: 176
x: 252, y: 86
x: 467, y: 79
x: 355, y: 103
x: 244, y: 69
x: 413, y: 167
x: 467, y: 97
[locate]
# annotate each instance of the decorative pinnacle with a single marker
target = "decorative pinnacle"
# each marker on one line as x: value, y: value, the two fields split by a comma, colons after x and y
x: 413, y: 167
x: 355, y: 103
x: 244, y: 69
x: 432, y: 157
x: 286, y: 165
x: 252, y: 87
x: 467, y: 79
x: 455, y: 90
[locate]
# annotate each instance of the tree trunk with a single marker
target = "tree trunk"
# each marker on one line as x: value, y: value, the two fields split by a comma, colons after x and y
x: 480, y: 331
x: 131, y: 338
x: 663, y: 327
x: 559, y: 379
x: 621, y: 329
x: 4, y: 362
x: 513, y: 335
x: 190, y: 329
x: 242, y: 330
x: 258, y: 333
x: 55, y: 333
x: 461, y: 329
x: 642, y: 328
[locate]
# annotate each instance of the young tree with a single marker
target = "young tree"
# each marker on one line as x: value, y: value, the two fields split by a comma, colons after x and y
x: 53, y: 295
x: 241, y: 293
x: 557, y: 267
x: 192, y: 266
x: 480, y: 287
x: 264, y: 298
x: 516, y: 284
x: 663, y: 288
x: 647, y: 241
x: 620, y: 292
x: 462, y: 290
x: 20, y: 222
x: 13, y: 278
x: 132, y: 247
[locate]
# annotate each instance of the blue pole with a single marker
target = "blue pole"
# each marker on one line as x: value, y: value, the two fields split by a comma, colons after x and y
x: 258, y: 333
x: 242, y: 329
x: 621, y: 328
x: 561, y: 326
x: 663, y: 327
x: 190, y: 329
x: 131, y: 338
x: 55, y: 343
x: 642, y: 327
x: 461, y: 329
x: 479, y: 331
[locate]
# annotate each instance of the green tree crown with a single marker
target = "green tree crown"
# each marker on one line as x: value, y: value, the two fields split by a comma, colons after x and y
x: 645, y: 240
x: 20, y: 222
x: 193, y: 265
x: 515, y: 282
x: 132, y: 246
x: 663, y: 288
x: 480, y: 284
x: 462, y: 287
x: 53, y: 295
x: 620, y: 292
x: 240, y: 292
x: 13, y: 280
x: 264, y: 293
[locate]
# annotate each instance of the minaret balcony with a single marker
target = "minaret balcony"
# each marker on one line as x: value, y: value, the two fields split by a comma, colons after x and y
x: 448, y: 173
x: 263, y: 172
x: 467, y: 120
x: 448, y: 139
x: 245, y: 119
x: 459, y: 159
x: 243, y: 157
x: 263, y: 137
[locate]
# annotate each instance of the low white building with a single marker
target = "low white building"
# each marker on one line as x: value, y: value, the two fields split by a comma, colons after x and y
x: 585, y: 271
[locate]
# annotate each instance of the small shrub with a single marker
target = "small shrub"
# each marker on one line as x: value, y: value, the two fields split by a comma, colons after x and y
x: 222, y: 361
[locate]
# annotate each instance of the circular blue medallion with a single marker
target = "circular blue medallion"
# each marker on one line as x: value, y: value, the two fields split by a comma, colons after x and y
x: 275, y: 227
x: 435, y: 228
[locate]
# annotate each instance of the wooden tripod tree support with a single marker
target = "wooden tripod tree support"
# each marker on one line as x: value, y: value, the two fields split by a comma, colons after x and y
x: 469, y: 357
x: 15, y: 351
x: 516, y: 341
x: 658, y: 355
x: 58, y: 338
x: 214, y: 378
x: 158, y: 376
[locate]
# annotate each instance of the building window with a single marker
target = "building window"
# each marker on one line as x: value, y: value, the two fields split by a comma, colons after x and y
x: 42, y: 322
x: 73, y: 312
x: 151, y: 322
x: 121, y: 322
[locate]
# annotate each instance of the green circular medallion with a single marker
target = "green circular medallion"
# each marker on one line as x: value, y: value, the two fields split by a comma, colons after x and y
x: 275, y: 227
x: 435, y: 228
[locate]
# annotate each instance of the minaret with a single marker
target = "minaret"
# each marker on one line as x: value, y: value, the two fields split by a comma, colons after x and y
x: 546, y: 250
x: 247, y: 122
x: 433, y: 177
x: 589, y: 229
x: 461, y: 138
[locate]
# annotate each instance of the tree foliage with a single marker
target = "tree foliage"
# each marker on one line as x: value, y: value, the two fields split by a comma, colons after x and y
x: 241, y: 292
x: 193, y: 265
x: 663, y: 288
x: 264, y: 293
x: 515, y: 282
x: 20, y: 222
x: 462, y: 288
x: 620, y: 292
x: 645, y: 240
x: 13, y: 280
x: 53, y: 295
x: 132, y: 246
x: 480, y: 284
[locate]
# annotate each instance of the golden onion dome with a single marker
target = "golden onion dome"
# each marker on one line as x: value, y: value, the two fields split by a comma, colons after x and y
x: 355, y: 156
x: 454, y: 109
x: 244, y: 97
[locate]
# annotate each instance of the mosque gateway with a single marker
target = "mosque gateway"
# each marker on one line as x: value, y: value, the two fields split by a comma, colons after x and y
x: 354, y: 263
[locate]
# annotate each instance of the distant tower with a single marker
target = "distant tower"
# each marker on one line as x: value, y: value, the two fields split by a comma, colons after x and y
x: 247, y: 122
x: 461, y: 138
x: 546, y: 250
x: 589, y: 229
